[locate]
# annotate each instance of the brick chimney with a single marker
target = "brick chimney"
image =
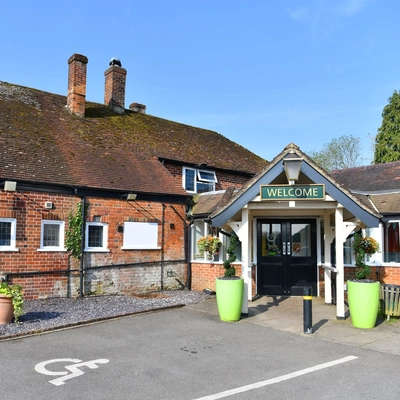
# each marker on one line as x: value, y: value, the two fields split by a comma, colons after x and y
x: 76, y: 99
x: 114, y: 93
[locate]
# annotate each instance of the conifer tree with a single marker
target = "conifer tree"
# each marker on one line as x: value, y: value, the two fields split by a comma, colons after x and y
x: 387, y: 141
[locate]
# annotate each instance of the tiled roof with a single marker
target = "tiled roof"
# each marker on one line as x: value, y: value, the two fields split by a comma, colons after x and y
x: 209, y: 202
x: 370, y: 178
x: 205, y: 203
x: 387, y: 202
x: 380, y: 183
x: 42, y: 142
x: 362, y: 200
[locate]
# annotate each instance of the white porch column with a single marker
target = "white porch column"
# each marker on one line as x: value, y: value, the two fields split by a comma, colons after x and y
x: 339, y: 238
x: 327, y: 252
x: 244, y: 235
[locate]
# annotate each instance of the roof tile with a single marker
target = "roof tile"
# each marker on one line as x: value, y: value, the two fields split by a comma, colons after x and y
x: 42, y: 142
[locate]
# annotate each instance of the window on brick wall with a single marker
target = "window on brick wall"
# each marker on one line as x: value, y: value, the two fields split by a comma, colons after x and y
x: 8, y: 229
x: 96, y: 236
x: 198, y: 180
x: 200, y: 229
x: 140, y: 236
x: 52, y: 235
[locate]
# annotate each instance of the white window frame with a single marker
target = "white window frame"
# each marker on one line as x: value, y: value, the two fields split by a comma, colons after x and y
x: 382, y: 243
x: 102, y: 248
x: 140, y: 236
x: 13, y: 234
x: 199, y: 179
x: 352, y: 256
x: 60, y: 246
x: 204, y: 229
x: 374, y: 259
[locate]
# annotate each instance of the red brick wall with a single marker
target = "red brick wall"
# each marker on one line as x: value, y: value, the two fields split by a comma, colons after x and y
x: 204, y: 275
x: 385, y: 275
x: 28, y: 209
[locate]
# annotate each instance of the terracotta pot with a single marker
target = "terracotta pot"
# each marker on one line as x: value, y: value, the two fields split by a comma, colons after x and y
x: 6, y: 309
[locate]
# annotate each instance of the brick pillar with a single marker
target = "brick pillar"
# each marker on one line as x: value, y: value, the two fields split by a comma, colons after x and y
x: 114, y: 92
x: 76, y: 98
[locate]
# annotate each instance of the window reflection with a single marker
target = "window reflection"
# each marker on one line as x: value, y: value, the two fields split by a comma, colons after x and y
x: 271, y: 240
x: 301, y: 240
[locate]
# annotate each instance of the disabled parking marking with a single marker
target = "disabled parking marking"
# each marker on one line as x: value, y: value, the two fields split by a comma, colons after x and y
x: 74, y: 368
x: 277, y: 379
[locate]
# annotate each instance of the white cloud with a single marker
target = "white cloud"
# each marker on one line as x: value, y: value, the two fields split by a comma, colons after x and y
x: 323, y: 9
x: 298, y: 13
x: 352, y: 7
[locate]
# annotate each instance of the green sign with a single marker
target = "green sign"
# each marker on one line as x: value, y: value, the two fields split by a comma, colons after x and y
x: 293, y: 192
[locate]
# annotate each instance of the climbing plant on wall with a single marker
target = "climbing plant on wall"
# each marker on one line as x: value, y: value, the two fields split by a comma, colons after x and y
x: 73, y: 235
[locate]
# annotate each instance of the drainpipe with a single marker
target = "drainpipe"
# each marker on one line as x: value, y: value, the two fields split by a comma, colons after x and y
x: 162, y: 245
x: 186, y: 241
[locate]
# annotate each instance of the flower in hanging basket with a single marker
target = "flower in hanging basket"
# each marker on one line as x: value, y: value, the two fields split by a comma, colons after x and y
x: 369, y: 245
x: 208, y: 244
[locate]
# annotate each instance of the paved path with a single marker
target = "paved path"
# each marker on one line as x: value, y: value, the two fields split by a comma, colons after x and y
x: 286, y: 314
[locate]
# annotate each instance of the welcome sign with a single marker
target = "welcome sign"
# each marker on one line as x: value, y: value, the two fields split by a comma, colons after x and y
x: 292, y: 192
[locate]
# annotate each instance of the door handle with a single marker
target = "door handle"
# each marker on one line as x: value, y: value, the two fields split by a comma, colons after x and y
x: 284, y: 248
x: 288, y: 248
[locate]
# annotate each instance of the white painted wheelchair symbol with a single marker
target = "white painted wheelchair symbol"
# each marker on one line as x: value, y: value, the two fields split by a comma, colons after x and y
x: 74, y: 368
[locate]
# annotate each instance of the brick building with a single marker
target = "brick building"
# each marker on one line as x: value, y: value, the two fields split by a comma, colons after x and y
x: 133, y: 174
x: 148, y: 189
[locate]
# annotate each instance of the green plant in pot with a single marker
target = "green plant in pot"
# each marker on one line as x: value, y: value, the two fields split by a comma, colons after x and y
x: 363, y: 293
x: 230, y: 288
x: 11, y: 302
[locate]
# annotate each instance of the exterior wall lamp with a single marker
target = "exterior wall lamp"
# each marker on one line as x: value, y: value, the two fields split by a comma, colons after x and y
x: 10, y: 186
x: 292, y: 169
x: 131, y: 196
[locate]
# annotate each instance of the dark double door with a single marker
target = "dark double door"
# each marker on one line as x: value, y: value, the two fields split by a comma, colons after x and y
x: 286, y: 256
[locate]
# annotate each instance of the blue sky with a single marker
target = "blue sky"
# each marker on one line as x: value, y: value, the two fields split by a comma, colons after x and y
x: 262, y: 73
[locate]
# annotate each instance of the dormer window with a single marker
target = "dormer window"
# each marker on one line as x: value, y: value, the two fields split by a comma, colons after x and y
x: 198, y: 180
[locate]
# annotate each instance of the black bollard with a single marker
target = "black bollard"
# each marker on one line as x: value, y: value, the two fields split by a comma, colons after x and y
x: 307, y: 309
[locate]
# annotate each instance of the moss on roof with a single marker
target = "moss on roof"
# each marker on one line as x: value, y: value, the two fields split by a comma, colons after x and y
x: 42, y: 141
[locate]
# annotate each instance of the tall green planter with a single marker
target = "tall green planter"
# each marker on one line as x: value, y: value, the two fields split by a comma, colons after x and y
x: 363, y: 300
x: 229, y: 298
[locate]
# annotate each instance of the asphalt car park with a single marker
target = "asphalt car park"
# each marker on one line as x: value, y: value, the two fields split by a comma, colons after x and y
x: 188, y: 354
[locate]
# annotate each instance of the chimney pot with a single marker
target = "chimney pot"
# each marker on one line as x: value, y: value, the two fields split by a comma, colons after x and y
x: 115, y: 61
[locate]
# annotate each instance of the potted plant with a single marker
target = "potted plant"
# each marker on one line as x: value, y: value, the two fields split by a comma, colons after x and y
x: 363, y: 293
x: 11, y: 302
x: 230, y: 288
x: 209, y: 244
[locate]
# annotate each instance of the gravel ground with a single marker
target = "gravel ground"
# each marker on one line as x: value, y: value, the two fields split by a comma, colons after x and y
x: 54, y: 313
